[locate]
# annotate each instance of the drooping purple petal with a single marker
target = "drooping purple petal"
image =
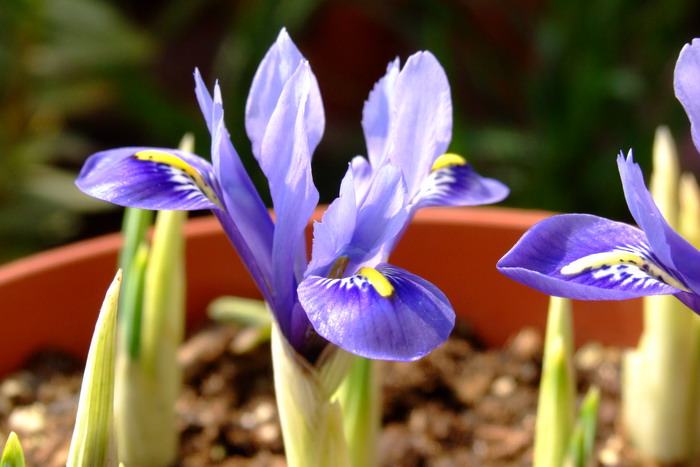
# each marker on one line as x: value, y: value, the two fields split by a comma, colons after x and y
x: 376, y: 114
x: 589, y: 258
x: 686, y: 81
x: 151, y: 178
x: 278, y: 65
x: 420, y: 128
x: 385, y: 313
x: 456, y: 183
x: 671, y: 249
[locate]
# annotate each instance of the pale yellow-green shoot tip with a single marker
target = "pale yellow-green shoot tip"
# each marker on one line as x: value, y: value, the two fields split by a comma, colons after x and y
x: 12, y: 455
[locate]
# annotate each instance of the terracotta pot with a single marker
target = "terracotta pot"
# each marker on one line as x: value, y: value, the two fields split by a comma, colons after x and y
x: 52, y: 299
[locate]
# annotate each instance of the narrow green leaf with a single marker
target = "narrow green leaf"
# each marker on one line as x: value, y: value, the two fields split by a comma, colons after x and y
x: 12, y: 455
x: 164, y: 296
x: 134, y: 227
x: 240, y: 311
x: 148, y: 386
x: 250, y: 314
x: 132, y: 261
x: 359, y: 396
x: 583, y: 437
x: 92, y: 442
x: 588, y: 418
x: 555, y: 409
x: 131, y: 301
x: 664, y: 178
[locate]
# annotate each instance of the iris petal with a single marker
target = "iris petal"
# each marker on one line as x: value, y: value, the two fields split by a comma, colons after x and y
x: 381, y: 217
x: 590, y: 258
x: 286, y: 160
x: 456, y: 183
x: 336, y: 228
x: 385, y: 313
x: 687, y: 85
x: 671, y: 249
x: 421, y: 119
x: 279, y: 64
x: 362, y: 175
x: 150, y: 178
x: 206, y: 103
x: 690, y: 300
x: 247, y: 212
x: 361, y: 229
x: 376, y: 114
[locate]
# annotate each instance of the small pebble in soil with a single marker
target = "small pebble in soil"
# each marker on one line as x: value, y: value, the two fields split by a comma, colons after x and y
x: 503, y: 386
x: 28, y: 419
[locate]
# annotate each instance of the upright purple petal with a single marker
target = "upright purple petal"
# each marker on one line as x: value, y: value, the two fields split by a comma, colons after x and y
x: 421, y: 119
x: 206, y: 104
x: 360, y: 229
x: 276, y: 68
x: 362, y: 174
x: 385, y: 313
x: 251, y: 259
x: 376, y: 114
x: 241, y: 199
x: 382, y: 216
x: 151, y: 178
x: 335, y: 230
x: 671, y: 249
x: 686, y: 81
x: 286, y: 160
x: 588, y: 258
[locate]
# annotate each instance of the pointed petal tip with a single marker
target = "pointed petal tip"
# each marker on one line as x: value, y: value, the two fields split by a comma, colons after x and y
x: 283, y: 34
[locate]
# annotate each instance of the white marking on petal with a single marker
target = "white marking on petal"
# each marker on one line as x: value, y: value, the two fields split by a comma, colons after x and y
x: 438, y: 184
x: 626, y: 266
x: 183, y: 175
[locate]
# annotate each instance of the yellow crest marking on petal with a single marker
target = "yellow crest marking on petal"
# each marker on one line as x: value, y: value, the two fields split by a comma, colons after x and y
x: 380, y: 283
x: 448, y: 160
x: 171, y: 160
x: 612, y: 258
x: 339, y: 267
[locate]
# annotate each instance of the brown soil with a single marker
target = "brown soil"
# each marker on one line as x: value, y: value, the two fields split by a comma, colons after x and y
x: 458, y: 406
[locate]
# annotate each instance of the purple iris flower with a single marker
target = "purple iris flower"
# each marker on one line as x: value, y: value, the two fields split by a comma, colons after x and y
x: 587, y: 257
x: 346, y: 294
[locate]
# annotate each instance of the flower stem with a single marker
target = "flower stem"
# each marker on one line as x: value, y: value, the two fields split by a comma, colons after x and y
x: 312, y: 423
x: 359, y: 398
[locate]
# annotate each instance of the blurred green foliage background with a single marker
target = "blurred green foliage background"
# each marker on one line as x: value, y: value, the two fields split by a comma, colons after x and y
x: 545, y: 92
